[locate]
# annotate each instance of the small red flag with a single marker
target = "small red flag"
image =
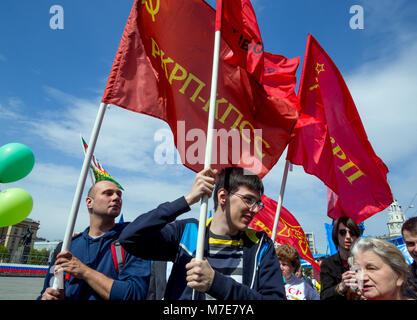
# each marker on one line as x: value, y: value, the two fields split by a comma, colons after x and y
x: 279, y: 77
x: 334, y: 209
x: 289, y: 230
x: 241, y: 32
x: 336, y: 148
x: 161, y: 69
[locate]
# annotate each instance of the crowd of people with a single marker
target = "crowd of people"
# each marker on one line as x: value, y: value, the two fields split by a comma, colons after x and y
x: 128, y: 261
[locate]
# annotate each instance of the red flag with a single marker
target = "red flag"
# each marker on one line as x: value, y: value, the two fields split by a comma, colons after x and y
x: 162, y: 69
x: 289, y: 230
x: 334, y: 210
x: 280, y: 81
x: 241, y: 32
x: 336, y: 148
x: 279, y: 78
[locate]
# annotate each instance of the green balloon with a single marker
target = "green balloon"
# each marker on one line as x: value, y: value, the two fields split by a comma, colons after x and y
x: 15, y: 206
x: 16, y: 162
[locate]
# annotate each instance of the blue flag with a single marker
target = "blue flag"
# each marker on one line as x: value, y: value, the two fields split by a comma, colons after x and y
x: 330, y: 243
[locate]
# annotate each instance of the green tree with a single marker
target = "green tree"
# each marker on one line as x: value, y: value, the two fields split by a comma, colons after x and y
x: 38, y: 256
x: 4, y: 254
x: 3, y: 249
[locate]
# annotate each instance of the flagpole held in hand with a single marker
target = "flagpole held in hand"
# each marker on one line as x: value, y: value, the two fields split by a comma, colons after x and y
x: 280, y: 199
x: 210, y: 128
x: 58, y: 279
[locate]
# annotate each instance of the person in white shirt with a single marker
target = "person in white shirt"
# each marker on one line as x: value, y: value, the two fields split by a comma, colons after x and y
x: 295, y: 288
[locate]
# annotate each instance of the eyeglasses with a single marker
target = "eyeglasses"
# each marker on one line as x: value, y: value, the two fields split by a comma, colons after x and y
x: 253, y: 204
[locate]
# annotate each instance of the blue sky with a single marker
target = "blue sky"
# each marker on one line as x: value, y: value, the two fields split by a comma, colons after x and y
x: 52, y: 81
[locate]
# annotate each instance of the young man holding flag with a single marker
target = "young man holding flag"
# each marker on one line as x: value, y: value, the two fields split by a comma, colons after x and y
x: 90, y: 269
x: 239, y: 263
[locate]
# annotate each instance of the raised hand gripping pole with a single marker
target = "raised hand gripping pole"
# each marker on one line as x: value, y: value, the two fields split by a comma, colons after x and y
x: 59, y: 277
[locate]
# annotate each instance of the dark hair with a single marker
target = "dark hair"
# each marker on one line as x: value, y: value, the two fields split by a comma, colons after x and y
x: 410, y: 225
x: 231, y: 178
x: 319, y: 259
x: 348, y: 222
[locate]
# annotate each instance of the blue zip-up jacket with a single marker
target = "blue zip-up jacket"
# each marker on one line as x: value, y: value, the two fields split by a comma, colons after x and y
x: 156, y: 235
x: 130, y: 284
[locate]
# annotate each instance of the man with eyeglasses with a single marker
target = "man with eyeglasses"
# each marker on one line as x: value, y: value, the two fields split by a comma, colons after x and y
x: 335, y: 275
x: 239, y: 263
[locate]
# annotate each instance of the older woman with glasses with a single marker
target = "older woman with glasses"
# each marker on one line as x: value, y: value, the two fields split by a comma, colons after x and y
x: 383, y: 269
x: 334, y: 271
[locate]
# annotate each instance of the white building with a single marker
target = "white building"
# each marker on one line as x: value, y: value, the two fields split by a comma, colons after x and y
x: 396, y: 218
x: 48, y: 245
x: 311, y: 241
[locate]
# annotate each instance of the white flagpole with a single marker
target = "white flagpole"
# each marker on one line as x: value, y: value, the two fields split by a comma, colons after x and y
x: 209, y: 144
x: 280, y: 198
x: 58, y: 279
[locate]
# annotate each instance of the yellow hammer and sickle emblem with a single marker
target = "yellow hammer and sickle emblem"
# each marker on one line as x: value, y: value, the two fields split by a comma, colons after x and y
x: 319, y: 68
x: 294, y: 232
x: 153, y: 10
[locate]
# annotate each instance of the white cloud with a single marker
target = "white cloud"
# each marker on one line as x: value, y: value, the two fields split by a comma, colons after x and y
x: 385, y: 95
x: 144, y: 194
x: 390, y: 20
x: 305, y: 197
x: 52, y: 188
x: 8, y: 114
x: 384, y: 92
x: 58, y: 176
x: 12, y: 109
x: 125, y: 139
x: 15, y: 102
x: 125, y: 148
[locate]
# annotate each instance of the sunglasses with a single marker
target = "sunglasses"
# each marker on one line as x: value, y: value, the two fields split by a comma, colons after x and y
x: 343, y: 233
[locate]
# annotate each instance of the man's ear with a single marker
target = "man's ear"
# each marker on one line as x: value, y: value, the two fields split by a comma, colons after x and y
x: 89, y: 202
x: 222, y: 195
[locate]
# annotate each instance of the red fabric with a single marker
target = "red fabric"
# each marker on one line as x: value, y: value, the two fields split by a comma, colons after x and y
x: 279, y: 77
x: 163, y: 69
x: 114, y: 256
x: 241, y: 32
x: 289, y: 230
x: 219, y: 14
x: 20, y: 270
x: 336, y: 148
x: 334, y: 210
